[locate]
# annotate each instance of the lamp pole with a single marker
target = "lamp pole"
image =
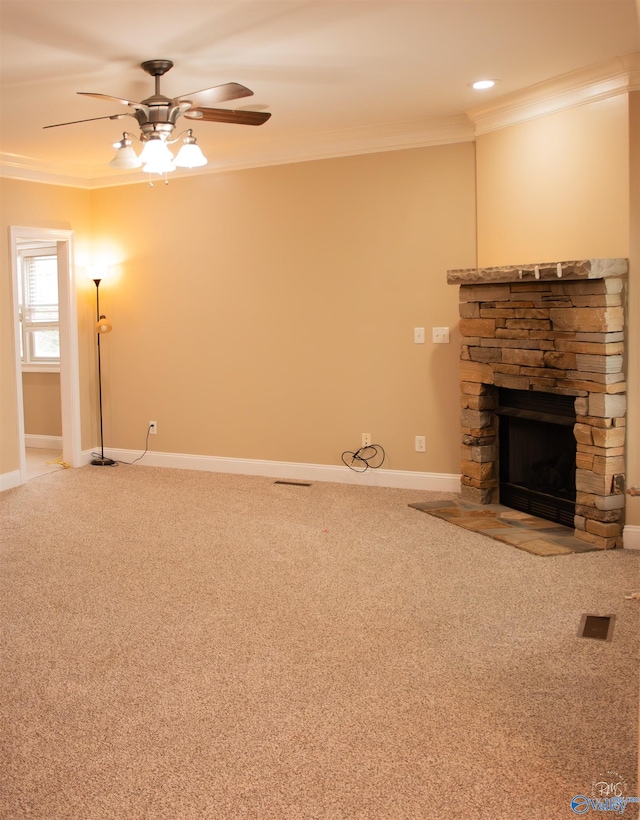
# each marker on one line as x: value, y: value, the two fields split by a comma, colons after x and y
x: 101, y: 460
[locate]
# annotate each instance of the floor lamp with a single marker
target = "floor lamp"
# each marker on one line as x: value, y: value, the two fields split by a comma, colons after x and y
x: 102, y: 326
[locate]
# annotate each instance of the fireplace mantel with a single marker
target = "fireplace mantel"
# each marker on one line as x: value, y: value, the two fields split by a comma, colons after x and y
x: 556, y: 328
x: 542, y: 271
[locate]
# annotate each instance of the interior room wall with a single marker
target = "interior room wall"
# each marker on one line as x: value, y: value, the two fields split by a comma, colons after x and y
x: 270, y: 313
x: 32, y: 204
x: 42, y: 404
x: 556, y: 187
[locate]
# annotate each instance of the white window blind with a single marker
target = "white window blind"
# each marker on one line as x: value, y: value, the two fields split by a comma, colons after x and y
x: 39, y: 314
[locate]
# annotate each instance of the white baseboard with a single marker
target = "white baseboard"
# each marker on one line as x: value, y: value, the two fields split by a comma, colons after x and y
x: 631, y: 537
x: 9, y: 480
x: 403, y: 479
x: 43, y: 442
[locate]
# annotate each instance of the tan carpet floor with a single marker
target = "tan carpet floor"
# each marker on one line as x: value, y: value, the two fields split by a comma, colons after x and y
x: 190, y: 645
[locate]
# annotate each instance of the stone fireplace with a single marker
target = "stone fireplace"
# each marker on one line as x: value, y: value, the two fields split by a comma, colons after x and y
x: 555, y: 329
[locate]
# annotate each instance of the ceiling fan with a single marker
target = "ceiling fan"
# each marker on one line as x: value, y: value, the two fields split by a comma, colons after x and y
x: 157, y: 117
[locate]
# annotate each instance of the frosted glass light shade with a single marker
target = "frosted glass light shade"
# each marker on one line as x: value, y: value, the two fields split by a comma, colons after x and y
x: 190, y: 156
x: 159, y: 166
x: 125, y: 157
x: 154, y: 151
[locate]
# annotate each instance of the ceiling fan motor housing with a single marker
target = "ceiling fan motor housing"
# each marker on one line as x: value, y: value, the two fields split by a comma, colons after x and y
x: 160, y: 113
x: 158, y: 118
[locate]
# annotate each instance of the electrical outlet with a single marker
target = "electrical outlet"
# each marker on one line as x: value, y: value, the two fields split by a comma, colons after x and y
x: 421, y: 444
x: 153, y: 428
x: 366, y: 439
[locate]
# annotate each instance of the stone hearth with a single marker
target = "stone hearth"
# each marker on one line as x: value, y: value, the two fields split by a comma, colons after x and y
x: 554, y: 328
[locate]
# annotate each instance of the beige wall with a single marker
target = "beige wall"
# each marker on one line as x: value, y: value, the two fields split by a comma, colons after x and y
x: 42, y: 408
x: 30, y: 204
x: 269, y: 313
x: 556, y: 188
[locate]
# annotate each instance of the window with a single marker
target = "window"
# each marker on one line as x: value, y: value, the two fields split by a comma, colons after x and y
x: 38, y: 308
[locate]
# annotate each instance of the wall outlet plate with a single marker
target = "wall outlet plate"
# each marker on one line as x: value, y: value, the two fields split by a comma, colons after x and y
x: 440, y: 335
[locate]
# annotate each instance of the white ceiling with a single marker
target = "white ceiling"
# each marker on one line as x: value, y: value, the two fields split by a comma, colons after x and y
x: 338, y: 76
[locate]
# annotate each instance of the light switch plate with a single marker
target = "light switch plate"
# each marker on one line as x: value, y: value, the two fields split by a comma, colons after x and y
x: 440, y: 335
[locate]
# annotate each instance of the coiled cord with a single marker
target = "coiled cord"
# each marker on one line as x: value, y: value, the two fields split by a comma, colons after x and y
x: 371, y: 456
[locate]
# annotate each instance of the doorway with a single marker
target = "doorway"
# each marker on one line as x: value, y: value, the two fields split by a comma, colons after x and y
x: 62, y: 241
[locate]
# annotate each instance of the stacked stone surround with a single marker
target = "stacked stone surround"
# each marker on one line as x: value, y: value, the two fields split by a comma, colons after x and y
x: 554, y: 328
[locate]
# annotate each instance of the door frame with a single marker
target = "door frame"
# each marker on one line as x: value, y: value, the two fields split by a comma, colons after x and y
x: 69, y: 362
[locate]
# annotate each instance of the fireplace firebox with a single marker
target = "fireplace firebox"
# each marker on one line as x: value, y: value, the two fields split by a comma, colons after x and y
x: 537, y: 454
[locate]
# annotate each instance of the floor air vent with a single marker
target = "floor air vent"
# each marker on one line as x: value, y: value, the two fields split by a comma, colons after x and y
x: 599, y: 627
x: 293, y: 483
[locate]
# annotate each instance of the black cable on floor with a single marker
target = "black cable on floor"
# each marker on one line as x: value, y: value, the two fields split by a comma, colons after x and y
x: 371, y: 456
x: 135, y: 460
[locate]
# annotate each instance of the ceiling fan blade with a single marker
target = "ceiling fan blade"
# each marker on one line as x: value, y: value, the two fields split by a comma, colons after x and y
x: 91, y: 119
x: 224, y: 115
x: 109, y: 98
x: 220, y: 93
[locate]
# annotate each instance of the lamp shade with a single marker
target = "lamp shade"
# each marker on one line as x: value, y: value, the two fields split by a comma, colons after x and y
x: 103, y: 325
x: 190, y: 156
x: 97, y: 272
x: 125, y: 157
x: 159, y: 166
x: 155, y: 151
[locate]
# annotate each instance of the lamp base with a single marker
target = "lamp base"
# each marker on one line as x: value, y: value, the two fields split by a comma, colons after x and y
x: 103, y: 461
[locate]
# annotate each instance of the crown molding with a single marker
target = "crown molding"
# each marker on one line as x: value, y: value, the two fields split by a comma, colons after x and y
x: 13, y: 166
x: 619, y: 75
x: 327, y: 145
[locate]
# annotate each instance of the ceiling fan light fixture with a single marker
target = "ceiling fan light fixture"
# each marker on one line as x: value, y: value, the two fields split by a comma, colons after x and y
x: 190, y: 155
x: 155, y: 151
x: 159, y: 166
x: 125, y: 157
x: 157, y: 116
